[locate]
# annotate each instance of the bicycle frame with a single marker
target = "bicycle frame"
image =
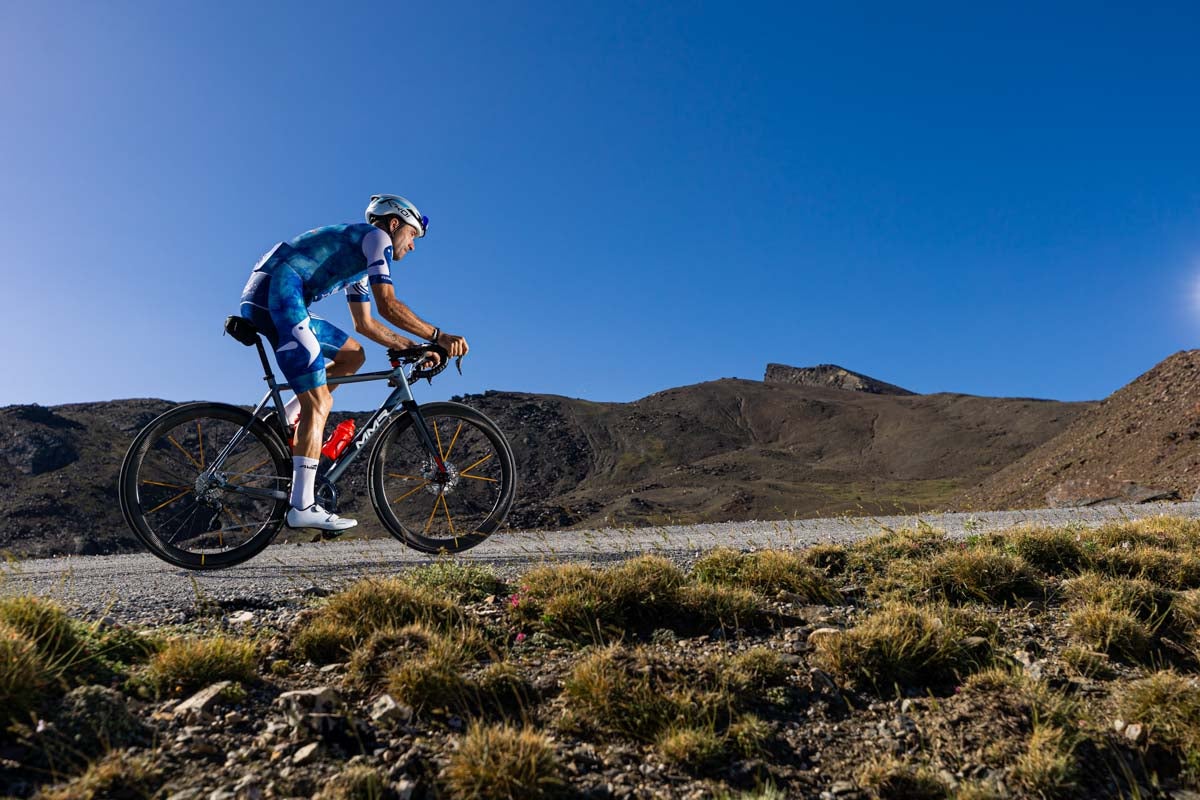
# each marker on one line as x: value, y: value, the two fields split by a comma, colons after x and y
x: 400, y: 398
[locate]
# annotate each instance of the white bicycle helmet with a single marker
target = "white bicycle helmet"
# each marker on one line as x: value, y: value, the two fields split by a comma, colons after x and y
x: 382, y: 205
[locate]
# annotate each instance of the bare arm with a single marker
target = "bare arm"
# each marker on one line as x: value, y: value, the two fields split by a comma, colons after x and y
x: 366, y: 324
x: 399, y: 314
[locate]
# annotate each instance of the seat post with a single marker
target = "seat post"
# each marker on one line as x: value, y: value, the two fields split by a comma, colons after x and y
x: 262, y: 355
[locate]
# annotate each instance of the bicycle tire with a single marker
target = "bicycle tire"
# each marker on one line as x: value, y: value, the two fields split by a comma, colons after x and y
x: 159, y: 481
x: 478, y: 488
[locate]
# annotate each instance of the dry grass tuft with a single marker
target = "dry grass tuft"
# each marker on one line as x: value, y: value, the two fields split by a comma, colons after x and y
x: 963, y: 575
x: 1047, y: 768
x: 358, y: 782
x: 900, y: 645
x: 873, y: 556
x: 195, y: 662
x: 889, y: 777
x: 1115, y: 632
x: 635, y: 597
x: 1054, y: 551
x: 832, y: 558
x: 696, y: 747
x: 117, y: 775
x: 767, y: 572
x: 464, y: 582
x: 501, y: 762
x: 22, y: 675
x: 373, y: 604
x: 1168, y: 705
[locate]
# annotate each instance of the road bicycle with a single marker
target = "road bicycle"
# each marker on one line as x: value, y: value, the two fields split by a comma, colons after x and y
x: 207, y: 485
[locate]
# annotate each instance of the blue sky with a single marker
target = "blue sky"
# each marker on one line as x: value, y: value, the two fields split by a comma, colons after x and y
x: 625, y: 197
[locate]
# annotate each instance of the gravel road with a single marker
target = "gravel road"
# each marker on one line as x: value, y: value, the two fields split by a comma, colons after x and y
x: 140, y: 588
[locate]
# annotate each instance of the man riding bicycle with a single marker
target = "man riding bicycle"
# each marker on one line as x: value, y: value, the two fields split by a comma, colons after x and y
x: 294, y: 275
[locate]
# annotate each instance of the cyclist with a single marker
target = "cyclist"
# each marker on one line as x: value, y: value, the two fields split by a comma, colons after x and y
x: 292, y: 276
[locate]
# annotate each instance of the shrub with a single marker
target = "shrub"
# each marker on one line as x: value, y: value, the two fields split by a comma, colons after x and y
x: 191, y: 663
x: 1047, y: 767
x: 500, y: 762
x: 899, y: 645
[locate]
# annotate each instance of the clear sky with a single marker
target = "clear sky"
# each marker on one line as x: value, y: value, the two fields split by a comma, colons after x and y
x: 997, y: 199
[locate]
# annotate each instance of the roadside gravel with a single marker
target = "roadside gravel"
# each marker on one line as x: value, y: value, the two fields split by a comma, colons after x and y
x: 140, y: 588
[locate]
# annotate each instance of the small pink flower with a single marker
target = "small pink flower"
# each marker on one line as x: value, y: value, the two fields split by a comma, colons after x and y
x: 515, y: 600
x: 520, y: 638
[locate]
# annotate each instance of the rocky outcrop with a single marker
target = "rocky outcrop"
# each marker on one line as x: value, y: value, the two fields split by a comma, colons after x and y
x: 34, y: 440
x: 832, y: 376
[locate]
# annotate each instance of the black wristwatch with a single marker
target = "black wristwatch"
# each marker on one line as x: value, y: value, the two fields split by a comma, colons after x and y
x: 436, y: 333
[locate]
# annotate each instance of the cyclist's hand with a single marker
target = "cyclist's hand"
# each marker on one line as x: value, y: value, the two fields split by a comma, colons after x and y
x: 432, y: 360
x: 455, y: 345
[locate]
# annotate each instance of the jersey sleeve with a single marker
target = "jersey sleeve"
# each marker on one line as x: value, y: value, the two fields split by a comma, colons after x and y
x: 359, y: 291
x: 377, y: 247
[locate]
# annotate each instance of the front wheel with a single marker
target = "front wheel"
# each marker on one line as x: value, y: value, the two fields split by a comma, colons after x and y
x: 447, y: 510
x: 205, y: 485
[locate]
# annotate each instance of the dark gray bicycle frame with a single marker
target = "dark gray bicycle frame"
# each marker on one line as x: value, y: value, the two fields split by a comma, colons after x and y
x: 401, y: 397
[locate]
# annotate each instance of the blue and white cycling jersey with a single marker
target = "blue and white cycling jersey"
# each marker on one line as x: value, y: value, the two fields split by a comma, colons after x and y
x: 328, y: 260
x: 294, y: 275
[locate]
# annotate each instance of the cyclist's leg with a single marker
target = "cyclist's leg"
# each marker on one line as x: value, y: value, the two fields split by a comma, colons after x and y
x: 300, y: 355
x: 345, y: 354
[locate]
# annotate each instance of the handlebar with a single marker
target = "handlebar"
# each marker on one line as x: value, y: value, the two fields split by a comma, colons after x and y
x: 417, y: 354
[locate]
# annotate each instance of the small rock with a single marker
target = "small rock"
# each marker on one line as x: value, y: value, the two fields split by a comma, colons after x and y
x: 386, y: 710
x: 306, y: 754
x: 1134, y: 732
x: 404, y: 789
x: 222, y: 794
x: 1118, y: 725
x: 821, y: 633
x: 300, y: 704
x: 821, y: 680
x: 200, y: 704
x: 840, y: 788
x: 241, y: 617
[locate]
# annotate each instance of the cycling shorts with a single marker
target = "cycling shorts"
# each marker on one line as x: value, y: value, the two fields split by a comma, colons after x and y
x: 301, y: 340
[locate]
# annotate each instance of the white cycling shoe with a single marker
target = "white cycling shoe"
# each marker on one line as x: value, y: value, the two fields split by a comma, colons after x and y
x: 316, y: 517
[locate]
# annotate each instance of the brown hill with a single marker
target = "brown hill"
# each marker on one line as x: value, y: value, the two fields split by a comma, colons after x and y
x: 719, y: 451
x: 1141, y: 443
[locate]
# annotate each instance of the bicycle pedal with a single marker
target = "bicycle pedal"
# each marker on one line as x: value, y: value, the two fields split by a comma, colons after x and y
x: 326, y: 536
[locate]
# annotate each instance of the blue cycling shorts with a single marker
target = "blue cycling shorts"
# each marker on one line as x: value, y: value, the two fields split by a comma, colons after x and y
x: 301, y: 340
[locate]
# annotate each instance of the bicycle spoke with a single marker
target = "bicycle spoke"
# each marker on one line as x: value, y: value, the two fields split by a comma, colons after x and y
x: 414, y: 491
x: 449, y: 521
x: 185, y: 453
x: 450, y: 449
x: 166, y: 485
x: 406, y: 477
x: 431, y: 513
x: 476, y: 464
x: 438, y: 437
x: 200, y: 442
x: 168, y: 502
x: 477, y: 477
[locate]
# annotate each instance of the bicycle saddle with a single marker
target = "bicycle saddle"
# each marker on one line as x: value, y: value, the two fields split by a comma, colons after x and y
x: 241, y: 329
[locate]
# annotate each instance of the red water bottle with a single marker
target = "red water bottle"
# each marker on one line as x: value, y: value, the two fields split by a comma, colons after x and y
x: 338, y: 440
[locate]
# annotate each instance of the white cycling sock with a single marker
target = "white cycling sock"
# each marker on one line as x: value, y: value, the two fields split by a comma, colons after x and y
x: 304, y: 479
x: 291, y: 410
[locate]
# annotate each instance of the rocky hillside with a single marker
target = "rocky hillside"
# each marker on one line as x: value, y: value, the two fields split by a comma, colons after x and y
x: 718, y: 451
x: 830, y: 375
x: 1143, y: 442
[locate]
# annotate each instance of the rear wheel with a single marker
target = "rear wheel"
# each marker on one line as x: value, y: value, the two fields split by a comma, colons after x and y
x: 197, y: 514
x: 450, y: 510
